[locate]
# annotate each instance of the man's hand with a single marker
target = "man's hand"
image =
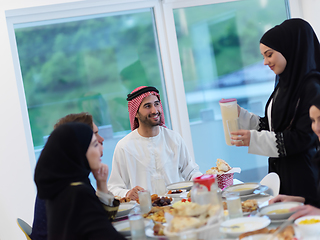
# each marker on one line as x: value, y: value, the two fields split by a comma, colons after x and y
x: 286, y: 198
x: 304, y: 211
x: 133, y: 193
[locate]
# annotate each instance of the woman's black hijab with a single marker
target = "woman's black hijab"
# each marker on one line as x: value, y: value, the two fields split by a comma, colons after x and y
x: 297, y: 42
x: 63, y: 159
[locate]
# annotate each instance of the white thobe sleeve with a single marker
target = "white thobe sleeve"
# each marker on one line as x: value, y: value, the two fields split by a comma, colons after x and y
x: 117, y: 181
x: 189, y: 168
x: 248, y: 121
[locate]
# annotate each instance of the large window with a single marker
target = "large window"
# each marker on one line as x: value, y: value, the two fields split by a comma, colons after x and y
x: 88, y: 55
x: 90, y: 64
x: 220, y: 58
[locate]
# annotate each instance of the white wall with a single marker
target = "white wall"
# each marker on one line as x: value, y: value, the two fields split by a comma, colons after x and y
x: 16, y: 179
x: 308, y: 10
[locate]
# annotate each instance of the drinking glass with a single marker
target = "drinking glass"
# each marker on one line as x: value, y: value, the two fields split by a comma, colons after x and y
x: 137, y: 226
x: 232, y: 126
x: 234, y: 205
x: 145, y: 201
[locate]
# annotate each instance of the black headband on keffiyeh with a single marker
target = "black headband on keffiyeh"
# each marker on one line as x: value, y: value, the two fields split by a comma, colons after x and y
x: 133, y: 95
x: 297, y: 42
x: 134, y: 101
x: 63, y: 159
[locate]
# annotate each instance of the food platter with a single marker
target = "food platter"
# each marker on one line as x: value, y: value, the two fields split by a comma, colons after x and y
x: 245, y: 224
x: 279, y: 210
x: 176, y: 195
x: 180, y: 185
x: 150, y: 234
x: 243, y: 188
x: 125, y: 208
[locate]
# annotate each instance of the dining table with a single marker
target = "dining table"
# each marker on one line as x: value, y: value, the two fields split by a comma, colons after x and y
x: 262, y: 200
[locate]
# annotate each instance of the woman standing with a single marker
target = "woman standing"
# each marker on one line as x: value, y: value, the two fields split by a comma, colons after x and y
x: 73, y: 209
x: 292, y: 52
x: 313, y: 206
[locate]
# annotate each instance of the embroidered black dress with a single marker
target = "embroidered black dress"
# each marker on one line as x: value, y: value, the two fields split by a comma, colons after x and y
x: 286, y: 120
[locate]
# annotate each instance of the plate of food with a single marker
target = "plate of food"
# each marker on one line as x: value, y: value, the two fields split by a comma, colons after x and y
x: 248, y: 206
x: 266, y: 234
x: 235, y: 227
x: 259, y: 191
x: 156, y: 231
x: 280, y: 210
x: 180, y: 186
x: 243, y: 188
x: 157, y: 214
x: 309, y: 225
x: 125, y: 208
x: 175, y: 193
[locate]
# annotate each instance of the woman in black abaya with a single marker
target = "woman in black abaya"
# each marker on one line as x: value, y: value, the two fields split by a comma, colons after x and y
x: 73, y: 209
x: 314, y: 207
x: 292, y: 51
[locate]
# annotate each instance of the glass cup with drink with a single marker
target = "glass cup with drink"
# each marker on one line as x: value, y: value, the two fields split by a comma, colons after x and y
x: 234, y: 205
x: 232, y: 126
x: 137, y: 226
x: 145, y: 201
x: 158, y: 185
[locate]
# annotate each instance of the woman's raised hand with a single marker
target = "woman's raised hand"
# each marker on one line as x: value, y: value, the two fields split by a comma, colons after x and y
x: 101, y: 176
x: 240, y: 138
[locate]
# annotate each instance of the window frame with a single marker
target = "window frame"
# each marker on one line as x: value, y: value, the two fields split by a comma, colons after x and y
x: 167, y: 39
x: 74, y: 9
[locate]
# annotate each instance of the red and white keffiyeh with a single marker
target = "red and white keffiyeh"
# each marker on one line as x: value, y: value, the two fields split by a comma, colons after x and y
x: 134, y: 104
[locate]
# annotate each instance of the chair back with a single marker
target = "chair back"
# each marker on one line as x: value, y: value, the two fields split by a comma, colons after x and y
x: 272, y: 181
x: 25, y: 227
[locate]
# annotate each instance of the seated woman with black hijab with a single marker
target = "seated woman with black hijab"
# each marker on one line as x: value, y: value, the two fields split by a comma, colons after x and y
x: 73, y: 209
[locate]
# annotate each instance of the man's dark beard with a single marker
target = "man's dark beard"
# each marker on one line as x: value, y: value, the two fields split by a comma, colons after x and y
x: 146, y: 121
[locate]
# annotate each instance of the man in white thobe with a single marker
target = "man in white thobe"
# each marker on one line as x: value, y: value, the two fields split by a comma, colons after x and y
x: 150, y: 151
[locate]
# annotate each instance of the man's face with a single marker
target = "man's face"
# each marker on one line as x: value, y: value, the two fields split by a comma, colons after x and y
x: 149, y: 113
